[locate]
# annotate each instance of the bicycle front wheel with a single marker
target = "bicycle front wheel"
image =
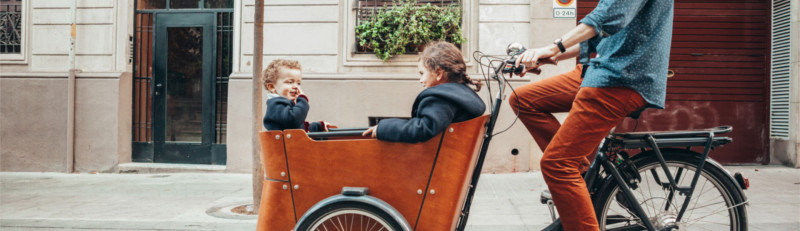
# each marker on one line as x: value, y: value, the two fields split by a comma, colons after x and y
x: 349, y: 216
x: 716, y: 204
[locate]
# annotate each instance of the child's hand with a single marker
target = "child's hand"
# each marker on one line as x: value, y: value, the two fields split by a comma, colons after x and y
x: 372, y: 130
x: 329, y: 125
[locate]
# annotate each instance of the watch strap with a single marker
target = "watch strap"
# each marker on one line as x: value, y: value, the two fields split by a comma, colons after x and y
x: 560, y: 45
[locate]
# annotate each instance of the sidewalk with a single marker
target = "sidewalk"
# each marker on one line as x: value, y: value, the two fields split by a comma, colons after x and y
x: 194, y: 201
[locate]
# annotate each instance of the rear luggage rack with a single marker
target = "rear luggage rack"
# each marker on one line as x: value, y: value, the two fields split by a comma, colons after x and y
x: 636, y: 140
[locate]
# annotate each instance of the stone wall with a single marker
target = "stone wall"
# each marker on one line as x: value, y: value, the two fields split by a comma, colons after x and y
x: 34, y: 90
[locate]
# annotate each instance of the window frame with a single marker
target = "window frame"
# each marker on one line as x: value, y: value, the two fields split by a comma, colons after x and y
x: 22, y: 57
x: 353, y: 59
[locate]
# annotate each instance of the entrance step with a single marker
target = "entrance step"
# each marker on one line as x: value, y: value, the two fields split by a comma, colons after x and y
x: 168, y: 168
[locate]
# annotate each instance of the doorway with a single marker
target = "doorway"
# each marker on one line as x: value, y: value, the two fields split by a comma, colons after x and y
x: 181, y: 66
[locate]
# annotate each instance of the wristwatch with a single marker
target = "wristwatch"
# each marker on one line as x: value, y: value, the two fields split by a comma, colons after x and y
x: 560, y: 46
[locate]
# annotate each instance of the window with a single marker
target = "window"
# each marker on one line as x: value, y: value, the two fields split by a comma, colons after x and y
x: 357, y: 55
x: 12, y: 30
x: 368, y: 8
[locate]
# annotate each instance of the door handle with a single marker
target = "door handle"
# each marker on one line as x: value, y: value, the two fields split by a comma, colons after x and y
x: 158, y: 86
x: 670, y: 73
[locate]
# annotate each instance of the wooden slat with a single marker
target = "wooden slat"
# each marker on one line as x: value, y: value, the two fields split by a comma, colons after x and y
x: 728, y: 98
x: 719, y: 25
x: 723, y: 1
x: 701, y: 90
x: 726, y: 45
x: 752, y: 52
x: 718, y: 58
x: 720, y: 18
x: 716, y: 12
x: 684, y: 64
x: 755, y: 79
x: 715, y: 84
x: 751, y: 32
x: 711, y: 38
x: 718, y: 71
x: 714, y: 5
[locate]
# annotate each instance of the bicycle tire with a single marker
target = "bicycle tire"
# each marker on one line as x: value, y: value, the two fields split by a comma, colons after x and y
x: 349, y: 216
x: 727, y: 208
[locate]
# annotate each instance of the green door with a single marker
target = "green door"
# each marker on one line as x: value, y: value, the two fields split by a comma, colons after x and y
x: 183, y: 89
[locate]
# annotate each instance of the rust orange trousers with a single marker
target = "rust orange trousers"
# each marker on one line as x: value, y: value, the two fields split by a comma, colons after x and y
x: 592, y: 114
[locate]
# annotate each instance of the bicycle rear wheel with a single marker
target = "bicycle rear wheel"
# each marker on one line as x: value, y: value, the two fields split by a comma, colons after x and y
x: 349, y: 216
x: 716, y: 204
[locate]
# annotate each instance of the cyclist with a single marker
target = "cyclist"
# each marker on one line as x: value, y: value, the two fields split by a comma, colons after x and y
x: 632, y: 42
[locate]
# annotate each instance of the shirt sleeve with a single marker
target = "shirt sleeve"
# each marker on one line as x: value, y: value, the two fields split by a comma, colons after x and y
x: 433, y: 116
x: 611, y: 16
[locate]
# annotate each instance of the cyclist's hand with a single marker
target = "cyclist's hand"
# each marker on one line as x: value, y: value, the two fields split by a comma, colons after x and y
x: 531, y: 58
x: 373, y: 131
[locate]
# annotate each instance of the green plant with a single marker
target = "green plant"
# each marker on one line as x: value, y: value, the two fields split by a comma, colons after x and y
x: 405, y: 25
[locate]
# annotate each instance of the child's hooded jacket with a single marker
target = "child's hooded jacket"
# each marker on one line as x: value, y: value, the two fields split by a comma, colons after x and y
x: 284, y: 114
x: 434, y: 109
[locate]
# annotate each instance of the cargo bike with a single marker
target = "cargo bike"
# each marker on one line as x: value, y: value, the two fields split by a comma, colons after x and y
x: 339, y: 180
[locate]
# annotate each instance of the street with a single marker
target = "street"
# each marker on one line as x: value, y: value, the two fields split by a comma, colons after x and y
x: 196, y: 201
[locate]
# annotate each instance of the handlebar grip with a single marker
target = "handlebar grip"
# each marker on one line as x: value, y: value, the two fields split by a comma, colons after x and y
x: 546, y: 61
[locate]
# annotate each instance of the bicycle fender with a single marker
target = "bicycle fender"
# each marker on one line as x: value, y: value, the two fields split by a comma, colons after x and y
x: 365, y: 199
x: 728, y: 175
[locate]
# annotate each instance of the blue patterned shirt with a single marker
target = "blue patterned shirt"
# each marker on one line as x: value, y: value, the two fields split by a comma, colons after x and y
x: 633, y: 44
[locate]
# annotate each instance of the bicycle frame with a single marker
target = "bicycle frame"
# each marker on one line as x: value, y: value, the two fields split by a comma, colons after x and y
x: 462, y: 221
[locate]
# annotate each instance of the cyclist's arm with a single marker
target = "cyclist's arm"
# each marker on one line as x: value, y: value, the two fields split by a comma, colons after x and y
x: 574, y: 37
x: 571, y: 39
x: 571, y: 52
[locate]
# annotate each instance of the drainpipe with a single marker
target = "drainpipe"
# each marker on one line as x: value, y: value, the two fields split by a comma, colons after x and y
x: 71, y: 93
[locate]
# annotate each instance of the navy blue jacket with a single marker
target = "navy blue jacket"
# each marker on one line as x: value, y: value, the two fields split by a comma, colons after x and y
x: 283, y: 114
x: 434, y: 109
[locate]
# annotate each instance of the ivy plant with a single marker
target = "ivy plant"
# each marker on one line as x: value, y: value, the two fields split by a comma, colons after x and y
x: 406, y: 25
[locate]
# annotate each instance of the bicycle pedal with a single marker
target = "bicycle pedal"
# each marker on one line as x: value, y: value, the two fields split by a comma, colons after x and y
x: 545, y: 196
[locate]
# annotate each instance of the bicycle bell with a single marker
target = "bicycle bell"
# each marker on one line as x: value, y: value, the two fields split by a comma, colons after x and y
x: 515, y: 48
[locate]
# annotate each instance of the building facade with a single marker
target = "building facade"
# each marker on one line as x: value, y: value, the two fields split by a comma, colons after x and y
x: 170, y: 81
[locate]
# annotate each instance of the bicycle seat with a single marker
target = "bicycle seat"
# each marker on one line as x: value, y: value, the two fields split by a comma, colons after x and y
x: 676, y: 134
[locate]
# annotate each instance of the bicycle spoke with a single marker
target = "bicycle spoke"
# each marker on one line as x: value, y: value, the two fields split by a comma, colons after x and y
x: 352, y: 217
x: 340, y: 224
x: 702, y: 189
x: 651, y: 196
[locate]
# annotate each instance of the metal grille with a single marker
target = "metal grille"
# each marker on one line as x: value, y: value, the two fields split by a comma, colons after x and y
x: 142, y: 78
x: 10, y: 26
x: 780, y: 74
x: 224, y: 66
x: 366, y: 8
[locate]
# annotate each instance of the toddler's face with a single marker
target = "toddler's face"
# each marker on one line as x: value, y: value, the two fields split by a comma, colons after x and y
x: 427, y: 77
x: 288, y: 84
